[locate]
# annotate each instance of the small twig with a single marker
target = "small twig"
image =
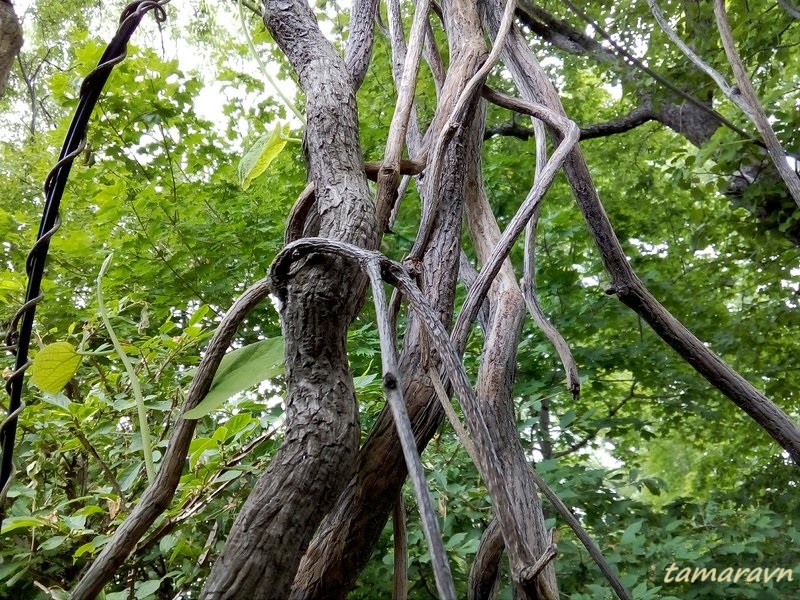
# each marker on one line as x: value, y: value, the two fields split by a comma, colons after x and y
x: 202, y: 499
x: 531, y: 573
x: 103, y: 465
x: 589, y: 436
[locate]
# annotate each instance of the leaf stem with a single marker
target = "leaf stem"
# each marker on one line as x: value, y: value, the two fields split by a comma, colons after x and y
x: 144, y: 429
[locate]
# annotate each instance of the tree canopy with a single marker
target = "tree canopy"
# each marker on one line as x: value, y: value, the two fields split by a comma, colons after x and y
x: 148, y: 469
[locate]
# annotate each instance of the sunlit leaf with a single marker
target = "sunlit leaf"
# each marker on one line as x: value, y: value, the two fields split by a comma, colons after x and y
x: 240, y: 370
x: 256, y: 160
x: 54, y: 366
x: 12, y: 523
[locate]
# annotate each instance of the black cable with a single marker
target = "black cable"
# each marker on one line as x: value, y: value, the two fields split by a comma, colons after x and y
x: 19, y: 335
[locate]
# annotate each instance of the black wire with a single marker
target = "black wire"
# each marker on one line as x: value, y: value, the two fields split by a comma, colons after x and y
x: 18, y: 340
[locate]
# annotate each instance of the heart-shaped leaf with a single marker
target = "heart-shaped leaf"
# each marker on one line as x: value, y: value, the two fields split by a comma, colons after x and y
x: 54, y: 366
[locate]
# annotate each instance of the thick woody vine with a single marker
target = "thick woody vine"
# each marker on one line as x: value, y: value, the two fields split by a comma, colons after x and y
x: 317, y: 482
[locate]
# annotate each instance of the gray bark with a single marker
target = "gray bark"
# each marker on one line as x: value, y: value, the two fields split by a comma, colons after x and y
x: 753, y: 184
x: 535, y: 87
x: 10, y: 41
x: 519, y: 512
x: 346, y: 538
x: 321, y: 298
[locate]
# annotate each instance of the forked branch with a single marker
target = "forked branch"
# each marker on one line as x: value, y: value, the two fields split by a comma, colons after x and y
x: 535, y: 86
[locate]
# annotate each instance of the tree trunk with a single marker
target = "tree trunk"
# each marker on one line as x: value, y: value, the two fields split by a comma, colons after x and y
x: 10, y: 41
x: 319, y: 301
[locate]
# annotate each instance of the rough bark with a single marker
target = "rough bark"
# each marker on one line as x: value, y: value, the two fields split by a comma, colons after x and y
x: 10, y: 41
x: 519, y: 512
x: 346, y: 538
x: 484, y: 575
x: 308, y: 472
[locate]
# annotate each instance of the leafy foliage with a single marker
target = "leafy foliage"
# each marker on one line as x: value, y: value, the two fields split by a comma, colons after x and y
x: 659, y: 468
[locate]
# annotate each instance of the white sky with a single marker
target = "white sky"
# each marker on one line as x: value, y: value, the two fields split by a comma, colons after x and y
x: 171, y: 44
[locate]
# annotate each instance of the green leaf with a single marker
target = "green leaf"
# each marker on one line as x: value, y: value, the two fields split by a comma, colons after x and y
x: 129, y: 478
x: 256, y: 160
x: 53, y: 542
x: 630, y: 533
x: 197, y: 448
x: 12, y: 523
x: 147, y: 588
x: 240, y: 370
x: 567, y: 419
x: 54, y: 366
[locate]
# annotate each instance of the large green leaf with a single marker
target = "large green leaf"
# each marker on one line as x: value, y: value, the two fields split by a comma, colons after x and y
x: 54, y: 366
x: 12, y: 523
x: 239, y: 370
x: 256, y: 160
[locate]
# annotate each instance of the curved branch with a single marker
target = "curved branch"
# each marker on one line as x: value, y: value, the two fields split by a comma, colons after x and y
x: 359, y: 43
x: 534, y: 84
x: 484, y: 574
x: 159, y: 494
x: 315, y: 461
x: 637, y: 117
x: 454, y: 121
x: 528, y: 282
x: 393, y: 390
